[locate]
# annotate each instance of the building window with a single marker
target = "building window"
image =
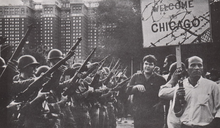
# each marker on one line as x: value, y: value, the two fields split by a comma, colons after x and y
x: 16, y: 10
x: 22, y: 11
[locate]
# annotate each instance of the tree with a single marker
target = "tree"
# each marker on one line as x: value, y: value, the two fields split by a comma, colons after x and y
x: 120, y: 21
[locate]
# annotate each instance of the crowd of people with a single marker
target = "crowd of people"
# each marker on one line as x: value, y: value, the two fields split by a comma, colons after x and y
x: 97, y: 95
x: 181, y: 97
x: 80, y: 95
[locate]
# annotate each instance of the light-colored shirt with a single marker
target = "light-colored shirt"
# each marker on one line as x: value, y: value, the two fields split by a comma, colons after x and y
x: 167, y: 92
x: 202, y: 102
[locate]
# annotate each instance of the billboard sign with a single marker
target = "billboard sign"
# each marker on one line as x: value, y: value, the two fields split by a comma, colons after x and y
x: 170, y: 22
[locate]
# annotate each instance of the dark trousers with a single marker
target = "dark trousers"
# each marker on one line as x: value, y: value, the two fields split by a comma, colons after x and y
x: 195, y: 126
x: 147, y: 120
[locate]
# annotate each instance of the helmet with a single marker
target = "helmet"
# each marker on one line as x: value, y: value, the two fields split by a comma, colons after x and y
x: 76, y: 65
x: 25, y: 61
x: 120, y: 74
x: 106, y: 70
x: 41, y: 69
x: 55, y: 54
x: 87, y: 81
x: 2, y: 63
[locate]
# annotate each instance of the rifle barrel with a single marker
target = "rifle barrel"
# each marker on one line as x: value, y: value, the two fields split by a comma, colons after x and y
x: 18, y: 49
x: 34, y: 86
x: 68, y: 91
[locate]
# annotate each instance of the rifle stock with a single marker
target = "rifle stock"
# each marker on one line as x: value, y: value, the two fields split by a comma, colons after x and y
x: 36, y: 85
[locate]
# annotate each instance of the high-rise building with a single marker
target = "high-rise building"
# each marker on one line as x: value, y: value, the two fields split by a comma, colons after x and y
x: 14, y: 21
x: 58, y: 24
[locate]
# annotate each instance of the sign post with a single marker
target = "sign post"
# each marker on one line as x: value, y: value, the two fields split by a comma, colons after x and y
x: 178, y: 57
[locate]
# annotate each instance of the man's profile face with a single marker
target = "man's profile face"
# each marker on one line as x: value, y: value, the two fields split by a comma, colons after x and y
x: 148, y: 67
x: 30, y: 70
x: 195, y: 67
x: 52, y: 62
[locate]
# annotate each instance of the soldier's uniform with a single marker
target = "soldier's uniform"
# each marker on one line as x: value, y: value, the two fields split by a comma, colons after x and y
x: 25, y: 114
x: 67, y: 119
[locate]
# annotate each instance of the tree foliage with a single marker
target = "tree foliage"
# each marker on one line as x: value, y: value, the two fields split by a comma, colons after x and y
x: 124, y: 37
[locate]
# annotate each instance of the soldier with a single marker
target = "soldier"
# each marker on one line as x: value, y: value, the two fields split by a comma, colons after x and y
x: 122, y: 98
x: 2, y: 64
x: 107, y: 112
x: 80, y: 106
x: 5, y: 82
x: 58, y: 101
x: 26, y: 66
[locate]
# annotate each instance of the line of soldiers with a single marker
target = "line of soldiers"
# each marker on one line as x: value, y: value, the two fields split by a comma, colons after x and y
x: 80, y: 96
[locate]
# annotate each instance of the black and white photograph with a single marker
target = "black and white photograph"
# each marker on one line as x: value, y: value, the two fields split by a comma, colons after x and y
x: 110, y: 64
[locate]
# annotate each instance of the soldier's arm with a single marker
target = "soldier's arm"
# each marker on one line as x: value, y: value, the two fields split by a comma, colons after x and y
x: 20, y: 85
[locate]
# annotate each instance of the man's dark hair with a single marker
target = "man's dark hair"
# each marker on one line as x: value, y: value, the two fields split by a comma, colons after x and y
x: 186, y: 63
x: 171, y: 58
x: 173, y: 69
x: 150, y: 58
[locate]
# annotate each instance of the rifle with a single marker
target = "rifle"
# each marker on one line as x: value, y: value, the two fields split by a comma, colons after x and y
x: 120, y: 85
x: 107, y: 79
x: 116, y: 88
x: 123, y: 73
x: 74, y: 80
x: 37, y: 84
x: 111, y: 63
x: 125, y: 70
x: 18, y: 50
x: 95, y: 82
x: 94, y: 66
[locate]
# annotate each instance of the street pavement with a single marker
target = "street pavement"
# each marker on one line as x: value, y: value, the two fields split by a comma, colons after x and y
x: 126, y: 123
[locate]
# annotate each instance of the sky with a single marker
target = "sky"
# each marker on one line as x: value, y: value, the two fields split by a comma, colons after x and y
x: 12, y: 2
x: 19, y: 2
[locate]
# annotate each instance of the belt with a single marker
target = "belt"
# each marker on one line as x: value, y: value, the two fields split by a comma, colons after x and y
x: 195, y: 126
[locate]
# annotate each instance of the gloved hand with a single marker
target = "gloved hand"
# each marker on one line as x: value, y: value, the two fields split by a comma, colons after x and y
x: 62, y: 68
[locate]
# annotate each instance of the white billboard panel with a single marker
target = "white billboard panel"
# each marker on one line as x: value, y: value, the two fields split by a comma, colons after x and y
x: 170, y: 22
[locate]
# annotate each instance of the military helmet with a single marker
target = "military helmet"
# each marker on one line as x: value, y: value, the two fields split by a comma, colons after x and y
x: 76, y: 65
x: 41, y: 69
x: 105, y: 70
x: 2, y: 63
x: 121, y: 74
x: 25, y: 61
x: 55, y: 54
